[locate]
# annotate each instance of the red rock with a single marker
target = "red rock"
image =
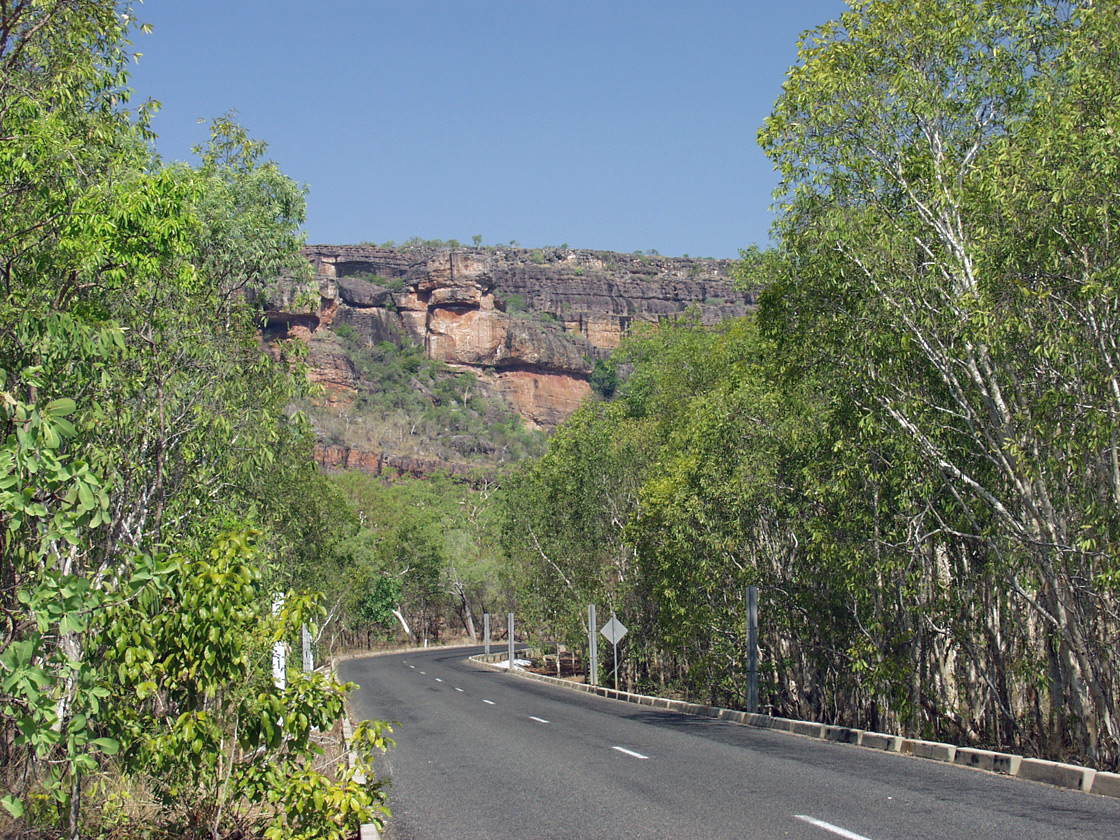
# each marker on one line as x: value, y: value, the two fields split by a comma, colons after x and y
x: 459, y: 306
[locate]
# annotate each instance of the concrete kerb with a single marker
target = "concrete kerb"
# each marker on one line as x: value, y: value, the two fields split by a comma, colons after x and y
x: 1055, y: 773
x: 993, y: 762
x: 932, y: 750
x: 843, y: 735
x: 1106, y: 784
x: 1069, y: 776
x: 880, y: 741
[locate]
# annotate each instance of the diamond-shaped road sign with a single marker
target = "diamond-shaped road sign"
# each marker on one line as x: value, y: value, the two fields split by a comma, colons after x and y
x: 613, y: 630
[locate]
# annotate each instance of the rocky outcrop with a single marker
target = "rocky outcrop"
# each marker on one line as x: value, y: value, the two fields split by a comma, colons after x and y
x: 334, y: 456
x: 529, y: 323
x: 332, y: 369
x: 547, y: 397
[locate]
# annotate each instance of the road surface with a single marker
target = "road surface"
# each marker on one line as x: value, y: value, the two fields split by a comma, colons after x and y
x: 482, y: 755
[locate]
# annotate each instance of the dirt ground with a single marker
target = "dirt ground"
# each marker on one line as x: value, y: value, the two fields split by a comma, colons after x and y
x: 571, y: 668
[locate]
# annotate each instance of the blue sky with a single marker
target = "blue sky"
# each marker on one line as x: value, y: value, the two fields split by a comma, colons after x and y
x: 614, y: 125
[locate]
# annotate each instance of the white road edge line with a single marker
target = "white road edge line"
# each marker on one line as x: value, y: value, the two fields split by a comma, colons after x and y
x: 488, y: 702
x: 630, y: 752
x: 537, y: 719
x: 835, y: 829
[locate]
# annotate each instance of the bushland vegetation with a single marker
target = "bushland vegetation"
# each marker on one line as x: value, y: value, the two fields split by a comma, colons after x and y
x: 913, y: 449
x: 410, y: 404
x: 424, y: 566
x: 155, y: 490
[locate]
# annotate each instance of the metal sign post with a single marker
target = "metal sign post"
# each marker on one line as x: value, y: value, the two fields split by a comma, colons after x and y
x: 614, y: 630
x: 752, y: 649
x: 593, y: 647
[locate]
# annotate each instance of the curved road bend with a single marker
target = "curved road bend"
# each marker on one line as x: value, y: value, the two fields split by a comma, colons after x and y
x: 483, y: 756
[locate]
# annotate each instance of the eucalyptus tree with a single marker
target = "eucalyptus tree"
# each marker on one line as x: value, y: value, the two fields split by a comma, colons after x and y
x: 947, y: 204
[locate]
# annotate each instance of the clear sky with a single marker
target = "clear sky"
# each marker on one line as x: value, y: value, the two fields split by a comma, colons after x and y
x: 606, y: 124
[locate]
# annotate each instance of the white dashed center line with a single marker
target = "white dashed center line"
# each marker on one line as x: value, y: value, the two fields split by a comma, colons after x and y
x: 629, y: 752
x: 438, y: 679
x: 537, y: 719
x: 458, y: 689
x: 835, y: 829
x: 488, y: 702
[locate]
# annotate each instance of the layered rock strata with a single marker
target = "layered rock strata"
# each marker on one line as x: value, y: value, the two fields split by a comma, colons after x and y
x: 529, y: 323
x: 336, y: 456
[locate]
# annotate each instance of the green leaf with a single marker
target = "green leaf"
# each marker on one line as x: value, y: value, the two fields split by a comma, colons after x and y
x: 12, y: 805
x: 106, y: 745
x: 60, y: 407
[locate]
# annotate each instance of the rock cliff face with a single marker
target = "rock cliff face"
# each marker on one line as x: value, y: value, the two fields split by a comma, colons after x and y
x: 530, y: 324
x: 335, y: 456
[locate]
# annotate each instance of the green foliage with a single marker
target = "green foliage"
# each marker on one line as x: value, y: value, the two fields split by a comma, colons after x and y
x: 197, y: 709
x: 427, y: 548
x: 382, y: 596
x: 138, y: 414
x: 913, y: 453
x: 347, y: 333
x: 757, y: 268
x: 604, y: 379
x: 936, y: 158
x: 415, y: 242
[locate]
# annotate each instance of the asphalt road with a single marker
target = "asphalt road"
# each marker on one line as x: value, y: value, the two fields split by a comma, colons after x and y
x: 482, y: 755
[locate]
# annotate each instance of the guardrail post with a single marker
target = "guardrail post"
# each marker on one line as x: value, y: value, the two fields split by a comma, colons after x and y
x: 593, y: 650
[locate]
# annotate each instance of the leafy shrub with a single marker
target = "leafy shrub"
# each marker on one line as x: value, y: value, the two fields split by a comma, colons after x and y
x: 604, y: 379
x: 346, y: 332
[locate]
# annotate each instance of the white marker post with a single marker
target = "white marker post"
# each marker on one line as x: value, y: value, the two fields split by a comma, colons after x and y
x: 308, y: 659
x: 509, y: 627
x: 752, y: 649
x: 486, y: 632
x: 279, y: 650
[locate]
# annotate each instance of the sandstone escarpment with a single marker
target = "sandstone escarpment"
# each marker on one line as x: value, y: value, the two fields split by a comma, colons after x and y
x: 532, y: 314
x: 530, y: 324
x: 595, y: 294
